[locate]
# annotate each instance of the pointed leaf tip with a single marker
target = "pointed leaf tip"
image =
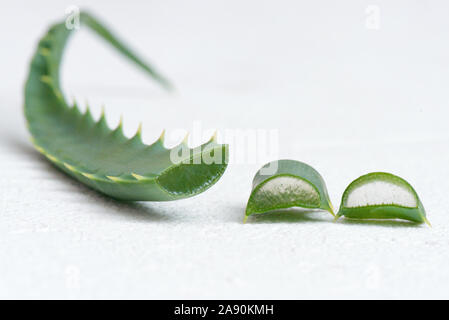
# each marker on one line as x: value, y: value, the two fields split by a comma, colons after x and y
x: 52, y: 158
x: 139, y: 130
x: 213, y: 138
x: 38, y: 148
x: 70, y: 167
x: 185, y: 141
x: 87, y: 113
x: 162, y: 136
x: 89, y: 175
x: 115, y: 179
x: 138, y: 176
x: 120, y: 123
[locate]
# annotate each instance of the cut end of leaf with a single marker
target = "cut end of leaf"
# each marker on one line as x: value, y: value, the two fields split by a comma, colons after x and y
x: 283, y: 192
x: 189, y: 178
x: 381, y: 195
x: 290, y: 184
x: 378, y: 192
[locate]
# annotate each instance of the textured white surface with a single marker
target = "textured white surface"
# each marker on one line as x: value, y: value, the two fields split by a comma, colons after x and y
x: 380, y: 192
x: 290, y: 188
x: 347, y: 100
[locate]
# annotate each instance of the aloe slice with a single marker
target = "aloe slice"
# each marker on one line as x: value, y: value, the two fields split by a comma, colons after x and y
x: 98, y: 156
x: 290, y: 184
x: 380, y: 195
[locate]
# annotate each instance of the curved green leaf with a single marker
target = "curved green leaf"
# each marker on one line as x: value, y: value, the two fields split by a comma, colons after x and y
x: 380, y: 195
x: 102, y: 158
x: 285, y: 184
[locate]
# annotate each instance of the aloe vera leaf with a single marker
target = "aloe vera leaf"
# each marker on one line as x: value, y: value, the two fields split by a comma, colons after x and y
x: 381, y: 195
x: 292, y: 184
x: 102, y: 158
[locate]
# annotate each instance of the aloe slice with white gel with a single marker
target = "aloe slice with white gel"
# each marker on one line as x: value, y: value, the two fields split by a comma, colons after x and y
x: 285, y: 184
x: 380, y: 195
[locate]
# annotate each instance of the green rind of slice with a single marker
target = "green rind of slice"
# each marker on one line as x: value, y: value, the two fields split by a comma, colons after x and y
x: 286, y: 184
x: 415, y: 213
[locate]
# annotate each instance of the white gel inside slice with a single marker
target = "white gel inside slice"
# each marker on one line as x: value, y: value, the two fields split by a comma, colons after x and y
x: 290, y: 189
x: 380, y: 192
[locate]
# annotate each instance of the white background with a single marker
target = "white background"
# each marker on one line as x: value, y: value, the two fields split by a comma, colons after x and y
x: 346, y: 98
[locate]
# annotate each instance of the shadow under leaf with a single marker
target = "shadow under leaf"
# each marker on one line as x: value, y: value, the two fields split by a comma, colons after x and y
x: 383, y: 223
x: 291, y: 215
x: 135, y: 210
